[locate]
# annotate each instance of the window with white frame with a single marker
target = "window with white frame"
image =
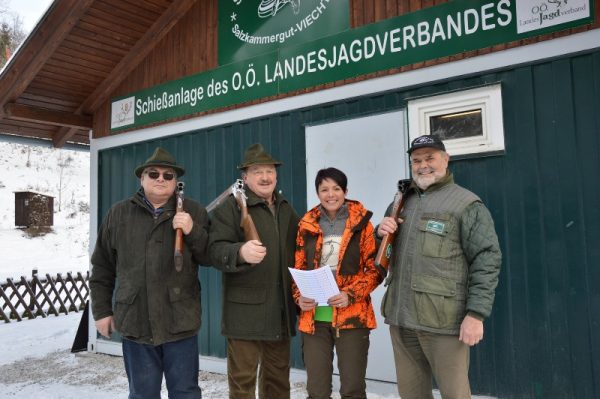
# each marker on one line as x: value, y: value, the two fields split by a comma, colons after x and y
x: 468, y: 121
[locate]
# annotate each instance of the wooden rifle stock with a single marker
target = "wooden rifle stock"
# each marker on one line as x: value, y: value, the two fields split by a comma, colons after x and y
x: 246, y: 222
x: 384, y: 254
x: 178, y: 255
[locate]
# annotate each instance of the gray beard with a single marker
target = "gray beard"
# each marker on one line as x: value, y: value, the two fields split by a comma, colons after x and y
x: 424, y: 182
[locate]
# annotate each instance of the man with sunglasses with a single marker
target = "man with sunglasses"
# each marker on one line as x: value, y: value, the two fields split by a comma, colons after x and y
x: 156, y: 309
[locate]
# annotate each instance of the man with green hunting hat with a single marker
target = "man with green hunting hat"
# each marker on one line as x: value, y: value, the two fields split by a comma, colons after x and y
x: 259, y: 313
x: 156, y: 308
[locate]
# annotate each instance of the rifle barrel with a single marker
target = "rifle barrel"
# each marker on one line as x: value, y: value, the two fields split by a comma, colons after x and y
x: 217, y: 201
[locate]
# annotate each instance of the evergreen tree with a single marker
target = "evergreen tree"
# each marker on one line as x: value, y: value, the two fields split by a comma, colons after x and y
x: 5, y: 40
x: 11, y: 33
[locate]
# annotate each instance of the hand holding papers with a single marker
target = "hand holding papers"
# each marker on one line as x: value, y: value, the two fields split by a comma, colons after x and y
x: 318, y: 284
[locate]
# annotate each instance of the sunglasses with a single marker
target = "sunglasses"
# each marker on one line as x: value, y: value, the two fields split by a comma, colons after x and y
x: 168, y: 176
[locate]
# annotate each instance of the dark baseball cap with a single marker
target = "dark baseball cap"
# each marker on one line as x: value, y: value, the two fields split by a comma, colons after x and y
x: 426, y: 141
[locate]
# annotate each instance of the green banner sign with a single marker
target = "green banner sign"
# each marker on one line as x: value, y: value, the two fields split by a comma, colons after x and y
x: 250, y: 28
x: 450, y: 28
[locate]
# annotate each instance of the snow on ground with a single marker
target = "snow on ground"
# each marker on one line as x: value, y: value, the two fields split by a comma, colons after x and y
x: 63, y: 174
x: 36, y: 362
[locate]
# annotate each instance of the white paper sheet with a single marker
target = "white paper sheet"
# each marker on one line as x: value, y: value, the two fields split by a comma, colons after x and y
x: 318, y: 284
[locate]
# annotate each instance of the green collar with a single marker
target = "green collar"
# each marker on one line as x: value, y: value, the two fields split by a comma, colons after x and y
x: 254, y: 199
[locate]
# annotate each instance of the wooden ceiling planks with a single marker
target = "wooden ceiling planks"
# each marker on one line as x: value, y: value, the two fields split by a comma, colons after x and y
x: 136, y: 54
x: 80, y: 50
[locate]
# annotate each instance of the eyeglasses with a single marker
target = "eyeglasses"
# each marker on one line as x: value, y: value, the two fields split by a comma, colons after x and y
x: 168, y: 176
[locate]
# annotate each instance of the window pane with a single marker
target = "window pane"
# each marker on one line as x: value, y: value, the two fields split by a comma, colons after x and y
x: 457, y: 125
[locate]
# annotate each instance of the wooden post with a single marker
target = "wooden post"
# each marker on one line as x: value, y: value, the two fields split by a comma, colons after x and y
x: 34, y: 273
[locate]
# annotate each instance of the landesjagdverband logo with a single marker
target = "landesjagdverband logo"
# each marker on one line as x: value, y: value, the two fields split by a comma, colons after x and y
x: 539, y: 14
x: 248, y: 28
x: 122, y: 113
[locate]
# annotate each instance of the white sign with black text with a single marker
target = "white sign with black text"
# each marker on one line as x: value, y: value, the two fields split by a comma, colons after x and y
x: 536, y: 14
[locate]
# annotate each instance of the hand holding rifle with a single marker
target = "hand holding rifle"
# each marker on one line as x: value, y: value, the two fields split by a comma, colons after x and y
x: 389, y: 226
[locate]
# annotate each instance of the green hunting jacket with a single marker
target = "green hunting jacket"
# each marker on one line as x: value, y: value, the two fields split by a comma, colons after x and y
x: 257, y: 300
x: 153, y: 304
x: 445, y: 262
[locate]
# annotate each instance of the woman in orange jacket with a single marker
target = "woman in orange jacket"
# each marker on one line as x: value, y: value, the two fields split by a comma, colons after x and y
x: 337, y: 234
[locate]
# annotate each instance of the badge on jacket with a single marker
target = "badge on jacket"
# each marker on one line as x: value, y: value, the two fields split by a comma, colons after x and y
x: 435, y: 227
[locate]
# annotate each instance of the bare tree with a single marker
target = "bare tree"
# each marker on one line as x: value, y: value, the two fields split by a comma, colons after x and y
x: 62, y: 163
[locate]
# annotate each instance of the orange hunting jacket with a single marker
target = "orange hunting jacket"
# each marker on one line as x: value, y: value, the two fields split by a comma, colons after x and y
x: 356, y: 273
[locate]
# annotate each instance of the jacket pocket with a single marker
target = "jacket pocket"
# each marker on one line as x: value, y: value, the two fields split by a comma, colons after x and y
x: 245, y: 310
x: 436, y: 301
x: 436, y: 232
x: 185, y: 310
x: 125, y: 314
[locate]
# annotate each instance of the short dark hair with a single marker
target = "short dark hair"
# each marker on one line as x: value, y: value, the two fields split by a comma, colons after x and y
x: 334, y: 174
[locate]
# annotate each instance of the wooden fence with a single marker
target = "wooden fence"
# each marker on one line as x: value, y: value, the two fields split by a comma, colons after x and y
x: 29, y: 298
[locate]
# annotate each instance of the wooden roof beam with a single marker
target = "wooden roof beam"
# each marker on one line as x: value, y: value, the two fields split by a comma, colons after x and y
x: 142, y: 48
x: 47, y: 37
x: 138, y: 52
x: 62, y: 136
x: 45, y: 116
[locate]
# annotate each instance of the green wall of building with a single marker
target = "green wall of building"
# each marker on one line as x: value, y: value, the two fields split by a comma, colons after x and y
x: 543, y: 339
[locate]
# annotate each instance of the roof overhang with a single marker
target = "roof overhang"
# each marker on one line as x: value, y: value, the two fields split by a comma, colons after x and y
x: 77, y: 55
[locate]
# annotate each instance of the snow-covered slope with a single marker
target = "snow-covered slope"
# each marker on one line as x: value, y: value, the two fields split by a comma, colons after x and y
x: 63, y: 174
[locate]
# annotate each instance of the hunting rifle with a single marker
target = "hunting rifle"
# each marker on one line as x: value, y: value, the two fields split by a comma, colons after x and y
x: 246, y: 222
x: 178, y: 255
x: 384, y: 254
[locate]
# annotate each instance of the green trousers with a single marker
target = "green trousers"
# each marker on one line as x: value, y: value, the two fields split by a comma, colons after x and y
x: 351, y: 347
x: 421, y: 356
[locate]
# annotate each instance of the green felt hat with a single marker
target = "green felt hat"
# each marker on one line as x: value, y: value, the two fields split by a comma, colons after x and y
x: 162, y: 158
x: 256, y: 155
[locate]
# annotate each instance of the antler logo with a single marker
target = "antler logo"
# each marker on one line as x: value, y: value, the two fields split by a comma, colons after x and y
x: 122, y: 112
x: 125, y: 108
x: 268, y: 8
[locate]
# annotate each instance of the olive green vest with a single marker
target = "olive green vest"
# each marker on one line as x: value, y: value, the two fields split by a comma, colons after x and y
x: 427, y: 282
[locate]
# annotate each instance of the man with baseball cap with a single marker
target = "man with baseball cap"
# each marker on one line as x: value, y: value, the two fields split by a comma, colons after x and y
x: 442, y: 276
x: 156, y: 308
x: 259, y: 313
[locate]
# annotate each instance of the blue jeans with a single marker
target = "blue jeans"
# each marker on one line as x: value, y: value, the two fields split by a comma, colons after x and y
x: 146, y: 364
